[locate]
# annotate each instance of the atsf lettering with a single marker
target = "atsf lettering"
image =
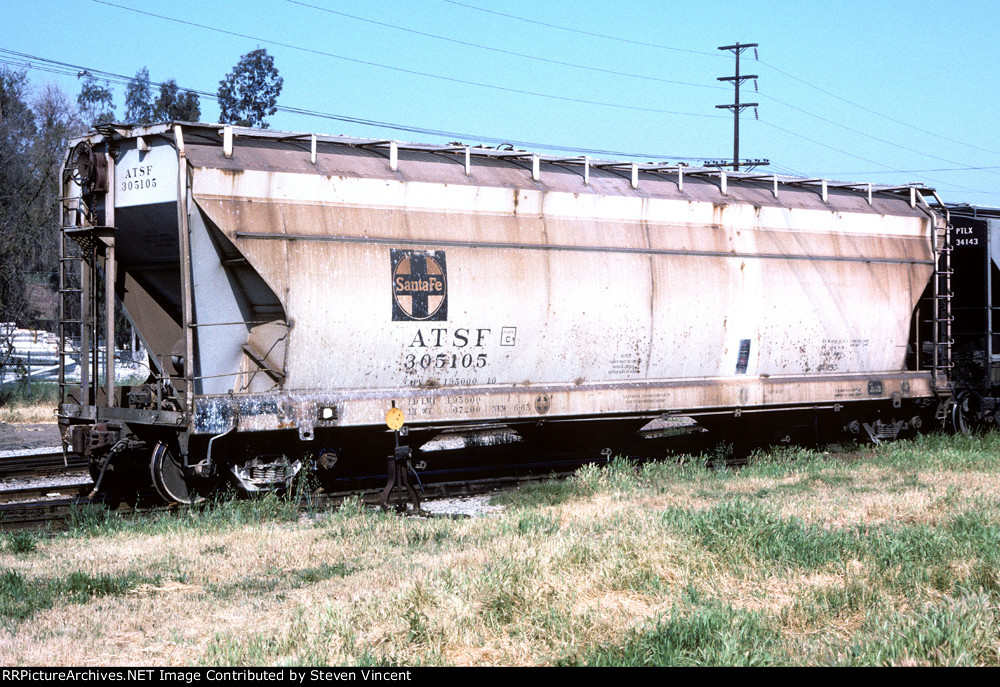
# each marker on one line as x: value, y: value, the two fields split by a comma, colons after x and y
x: 139, y: 172
x: 439, y: 337
x: 137, y: 178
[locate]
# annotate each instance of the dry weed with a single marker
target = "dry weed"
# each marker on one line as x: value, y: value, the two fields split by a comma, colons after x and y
x: 33, y: 413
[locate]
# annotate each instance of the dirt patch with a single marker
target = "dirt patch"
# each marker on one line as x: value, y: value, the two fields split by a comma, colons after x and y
x: 27, y: 435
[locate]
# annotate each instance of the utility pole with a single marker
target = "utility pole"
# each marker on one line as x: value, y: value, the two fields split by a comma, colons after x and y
x: 737, y: 107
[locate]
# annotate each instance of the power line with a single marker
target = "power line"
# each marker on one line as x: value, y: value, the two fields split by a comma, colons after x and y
x: 626, y: 74
x: 698, y: 52
x: 876, y: 113
x: 866, y: 135
x: 413, y: 72
x: 920, y: 171
x: 56, y: 67
x: 783, y: 169
x: 825, y: 145
x: 69, y: 70
x: 580, y: 31
x: 735, y: 107
x: 502, y: 51
x: 858, y: 157
x: 507, y: 89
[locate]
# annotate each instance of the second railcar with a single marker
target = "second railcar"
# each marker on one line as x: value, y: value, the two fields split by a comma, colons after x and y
x: 975, y: 242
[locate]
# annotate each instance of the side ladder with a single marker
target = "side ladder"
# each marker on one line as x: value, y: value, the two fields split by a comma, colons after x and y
x: 77, y: 333
x: 943, y: 318
x: 69, y: 326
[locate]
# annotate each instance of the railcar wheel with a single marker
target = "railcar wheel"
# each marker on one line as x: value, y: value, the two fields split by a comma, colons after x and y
x: 169, y: 479
x: 961, y: 414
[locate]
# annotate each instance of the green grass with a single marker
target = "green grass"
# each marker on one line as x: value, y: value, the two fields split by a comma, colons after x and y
x: 748, y: 536
x: 956, y: 632
x: 294, y: 646
x: 277, y: 583
x: 942, y: 451
x: 281, y: 581
x: 822, y: 605
x: 221, y: 514
x: 19, y: 542
x: 547, y: 493
x: 29, y: 393
x: 21, y: 598
x: 324, y: 571
x: 886, y: 555
x: 715, y: 635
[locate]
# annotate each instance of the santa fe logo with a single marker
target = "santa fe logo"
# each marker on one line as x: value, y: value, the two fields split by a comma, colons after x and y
x: 419, y: 285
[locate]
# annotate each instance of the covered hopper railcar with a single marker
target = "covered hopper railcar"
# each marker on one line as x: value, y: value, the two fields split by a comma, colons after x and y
x: 292, y: 289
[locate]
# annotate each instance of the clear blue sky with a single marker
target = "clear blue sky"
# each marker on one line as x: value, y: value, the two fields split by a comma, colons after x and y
x: 888, y: 92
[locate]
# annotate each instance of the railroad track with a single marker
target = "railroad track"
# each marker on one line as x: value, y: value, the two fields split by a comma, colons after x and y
x: 53, y: 513
x: 34, y: 492
x: 35, y: 515
x: 33, y: 505
x: 36, y: 463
